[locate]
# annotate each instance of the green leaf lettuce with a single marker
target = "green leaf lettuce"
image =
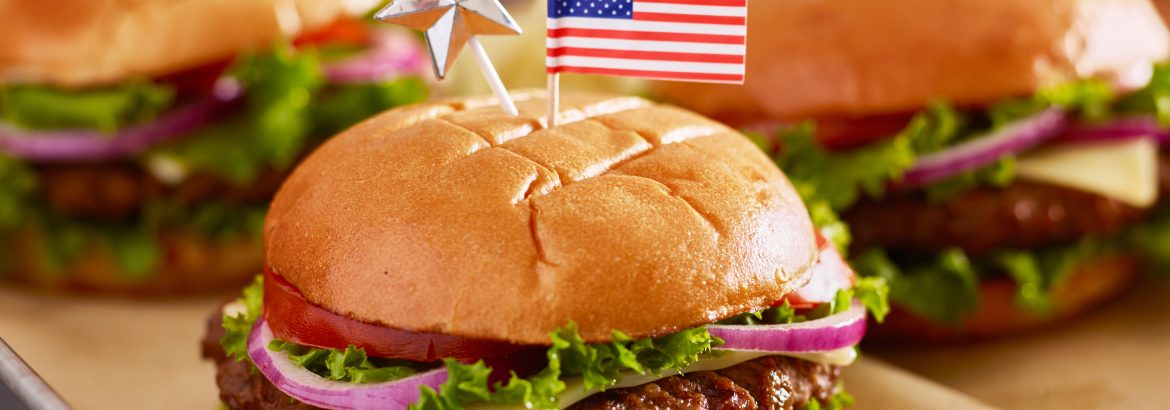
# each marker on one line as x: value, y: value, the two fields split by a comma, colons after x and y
x: 273, y: 128
x: 237, y: 327
x: 349, y: 365
x: 106, y: 109
x: 599, y: 365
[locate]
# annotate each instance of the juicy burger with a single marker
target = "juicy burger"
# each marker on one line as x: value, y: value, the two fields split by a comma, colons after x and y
x: 448, y: 255
x: 140, y: 140
x: 998, y: 161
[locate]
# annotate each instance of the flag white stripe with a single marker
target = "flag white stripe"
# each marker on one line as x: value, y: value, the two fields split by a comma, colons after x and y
x: 690, y: 9
x: 652, y: 26
x: 646, y: 65
x: 642, y: 45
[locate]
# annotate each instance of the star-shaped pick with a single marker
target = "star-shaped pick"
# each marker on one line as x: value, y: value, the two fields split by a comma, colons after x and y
x: 448, y: 24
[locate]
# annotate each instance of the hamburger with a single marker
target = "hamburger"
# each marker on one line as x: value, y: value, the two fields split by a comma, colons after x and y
x: 998, y: 161
x: 447, y: 255
x: 141, y: 140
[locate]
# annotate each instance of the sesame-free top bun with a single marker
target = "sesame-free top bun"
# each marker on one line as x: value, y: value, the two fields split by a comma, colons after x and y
x: 841, y: 58
x: 93, y: 42
x: 454, y: 217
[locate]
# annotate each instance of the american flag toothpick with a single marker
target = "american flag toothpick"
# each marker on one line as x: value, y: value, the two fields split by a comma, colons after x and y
x: 448, y: 24
x: 685, y: 40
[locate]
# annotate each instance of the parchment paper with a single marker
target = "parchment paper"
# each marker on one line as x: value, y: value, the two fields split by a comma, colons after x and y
x: 1115, y: 358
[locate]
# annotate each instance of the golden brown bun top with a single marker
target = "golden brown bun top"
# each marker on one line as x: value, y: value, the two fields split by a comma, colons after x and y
x: 454, y: 217
x: 837, y: 58
x: 92, y: 42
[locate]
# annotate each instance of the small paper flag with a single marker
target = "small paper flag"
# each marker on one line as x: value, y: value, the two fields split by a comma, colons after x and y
x: 688, y: 40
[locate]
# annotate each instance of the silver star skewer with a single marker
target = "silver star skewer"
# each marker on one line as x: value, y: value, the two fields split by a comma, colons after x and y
x: 448, y: 25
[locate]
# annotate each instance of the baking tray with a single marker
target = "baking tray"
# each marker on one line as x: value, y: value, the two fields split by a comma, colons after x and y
x: 21, y: 388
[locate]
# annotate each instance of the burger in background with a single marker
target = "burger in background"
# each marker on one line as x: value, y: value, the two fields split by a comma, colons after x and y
x: 636, y: 256
x: 140, y: 141
x: 998, y: 161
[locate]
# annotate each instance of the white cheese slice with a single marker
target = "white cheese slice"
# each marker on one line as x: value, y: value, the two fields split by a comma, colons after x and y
x: 1123, y: 170
x: 575, y: 390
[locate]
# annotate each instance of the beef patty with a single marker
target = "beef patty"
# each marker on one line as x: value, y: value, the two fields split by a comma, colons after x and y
x: 1022, y: 215
x: 772, y: 382
x: 116, y: 190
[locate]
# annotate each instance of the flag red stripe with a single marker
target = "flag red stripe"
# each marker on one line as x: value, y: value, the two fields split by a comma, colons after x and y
x: 645, y: 35
x: 664, y: 75
x: 691, y: 18
x: 646, y: 55
x: 728, y: 3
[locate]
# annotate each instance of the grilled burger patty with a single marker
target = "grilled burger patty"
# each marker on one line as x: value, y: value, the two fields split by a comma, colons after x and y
x: 1022, y: 215
x: 115, y: 190
x: 772, y: 382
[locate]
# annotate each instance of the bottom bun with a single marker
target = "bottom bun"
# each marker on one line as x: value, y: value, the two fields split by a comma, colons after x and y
x: 189, y: 263
x: 770, y: 382
x: 1090, y: 285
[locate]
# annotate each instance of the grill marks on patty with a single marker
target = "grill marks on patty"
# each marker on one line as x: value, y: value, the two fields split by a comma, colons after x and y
x: 772, y: 382
x: 117, y: 190
x: 242, y: 388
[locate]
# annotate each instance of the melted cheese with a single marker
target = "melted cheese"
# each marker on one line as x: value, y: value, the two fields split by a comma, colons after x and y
x: 575, y: 390
x: 1123, y: 170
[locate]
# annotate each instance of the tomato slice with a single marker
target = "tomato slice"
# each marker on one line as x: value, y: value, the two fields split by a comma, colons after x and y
x: 840, y: 134
x: 196, y: 82
x: 343, y: 31
x: 524, y: 363
x: 294, y: 319
x: 846, y: 133
x: 830, y: 274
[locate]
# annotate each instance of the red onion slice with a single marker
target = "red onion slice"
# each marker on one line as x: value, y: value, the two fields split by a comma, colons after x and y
x: 821, y: 335
x: 1121, y: 128
x: 312, y: 389
x: 1011, y: 139
x: 74, y: 145
x: 392, y: 54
